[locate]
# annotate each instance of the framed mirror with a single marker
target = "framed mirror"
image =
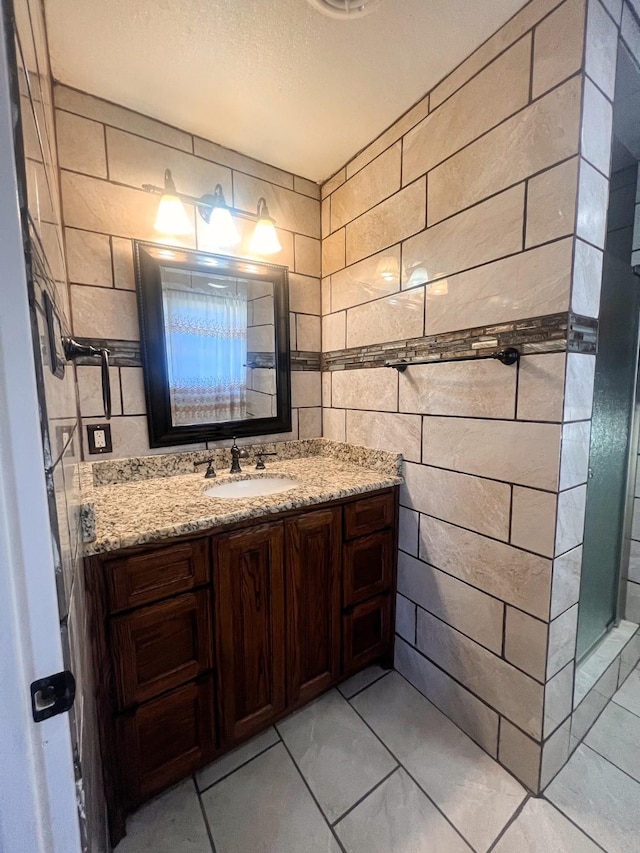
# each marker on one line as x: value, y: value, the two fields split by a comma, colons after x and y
x: 214, y: 345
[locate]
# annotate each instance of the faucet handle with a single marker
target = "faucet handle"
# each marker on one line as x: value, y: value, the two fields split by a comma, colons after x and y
x: 260, y: 460
x: 210, y: 472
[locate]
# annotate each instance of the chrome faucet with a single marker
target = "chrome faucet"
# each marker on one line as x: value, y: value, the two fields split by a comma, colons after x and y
x: 237, y: 453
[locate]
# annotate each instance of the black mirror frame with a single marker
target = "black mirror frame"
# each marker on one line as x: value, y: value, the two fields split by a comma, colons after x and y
x: 148, y: 259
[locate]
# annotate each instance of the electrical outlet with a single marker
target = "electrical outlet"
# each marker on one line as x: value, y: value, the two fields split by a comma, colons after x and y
x: 99, y: 438
x: 65, y: 440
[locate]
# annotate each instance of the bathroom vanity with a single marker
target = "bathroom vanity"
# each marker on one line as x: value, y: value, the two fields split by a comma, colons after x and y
x: 211, y: 629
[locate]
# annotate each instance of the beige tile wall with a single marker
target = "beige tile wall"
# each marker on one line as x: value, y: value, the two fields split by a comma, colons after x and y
x: 106, y: 153
x: 505, y: 221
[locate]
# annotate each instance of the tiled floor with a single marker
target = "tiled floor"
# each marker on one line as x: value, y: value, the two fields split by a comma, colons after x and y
x: 375, y: 768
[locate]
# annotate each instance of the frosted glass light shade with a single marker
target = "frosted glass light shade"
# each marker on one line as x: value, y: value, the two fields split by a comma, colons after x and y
x: 223, y: 228
x: 264, y: 240
x: 172, y: 217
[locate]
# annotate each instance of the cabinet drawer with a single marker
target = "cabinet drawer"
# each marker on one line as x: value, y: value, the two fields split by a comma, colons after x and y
x: 167, y: 739
x: 367, y: 633
x: 161, y: 646
x: 156, y: 574
x: 368, y: 567
x: 368, y: 515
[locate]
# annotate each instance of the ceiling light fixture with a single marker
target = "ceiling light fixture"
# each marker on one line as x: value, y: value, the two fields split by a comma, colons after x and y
x: 172, y: 218
x: 349, y: 9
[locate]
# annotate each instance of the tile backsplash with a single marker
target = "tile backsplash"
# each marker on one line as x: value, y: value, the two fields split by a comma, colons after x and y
x: 104, y: 208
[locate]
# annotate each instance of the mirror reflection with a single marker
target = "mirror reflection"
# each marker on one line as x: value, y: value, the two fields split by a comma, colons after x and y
x: 215, y: 344
x: 220, y: 345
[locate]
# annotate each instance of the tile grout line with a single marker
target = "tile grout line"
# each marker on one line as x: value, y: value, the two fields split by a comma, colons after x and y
x: 613, y: 699
x: 433, y: 803
x: 362, y: 689
x: 239, y: 767
x: 510, y: 822
x: 366, y: 796
x: 313, y: 797
x: 609, y: 761
x: 570, y: 819
x: 204, y: 817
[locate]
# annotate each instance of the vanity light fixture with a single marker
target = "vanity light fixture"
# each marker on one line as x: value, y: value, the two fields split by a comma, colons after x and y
x: 172, y: 217
x: 219, y: 218
x: 264, y: 240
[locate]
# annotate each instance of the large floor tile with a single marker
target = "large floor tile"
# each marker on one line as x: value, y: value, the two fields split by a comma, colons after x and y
x: 361, y: 680
x: 540, y: 828
x: 629, y: 694
x: 616, y: 736
x: 476, y: 794
x: 398, y: 818
x: 337, y: 754
x: 601, y: 799
x: 232, y: 760
x: 172, y: 823
x: 265, y: 807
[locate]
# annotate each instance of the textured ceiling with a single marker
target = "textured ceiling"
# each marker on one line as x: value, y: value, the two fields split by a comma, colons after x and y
x: 274, y: 79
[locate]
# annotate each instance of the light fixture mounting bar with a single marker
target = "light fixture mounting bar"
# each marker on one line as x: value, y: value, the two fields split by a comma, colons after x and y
x: 200, y: 202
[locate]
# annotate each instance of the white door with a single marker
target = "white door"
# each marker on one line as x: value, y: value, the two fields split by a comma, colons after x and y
x: 38, y: 810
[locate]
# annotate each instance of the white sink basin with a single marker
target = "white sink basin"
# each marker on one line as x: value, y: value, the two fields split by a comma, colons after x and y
x: 251, y: 488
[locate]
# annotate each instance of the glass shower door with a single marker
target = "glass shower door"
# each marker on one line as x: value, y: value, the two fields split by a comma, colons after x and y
x: 611, y: 429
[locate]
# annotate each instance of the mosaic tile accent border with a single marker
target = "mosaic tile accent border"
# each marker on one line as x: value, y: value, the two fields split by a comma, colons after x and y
x: 127, y: 354
x: 551, y: 333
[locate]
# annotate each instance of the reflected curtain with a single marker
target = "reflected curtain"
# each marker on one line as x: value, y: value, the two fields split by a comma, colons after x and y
x: 206, y: 340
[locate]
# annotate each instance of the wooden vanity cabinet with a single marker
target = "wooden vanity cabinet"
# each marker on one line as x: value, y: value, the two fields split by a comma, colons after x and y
x: 250, y: 633
x: 313, y: 585
x: 203, y: 641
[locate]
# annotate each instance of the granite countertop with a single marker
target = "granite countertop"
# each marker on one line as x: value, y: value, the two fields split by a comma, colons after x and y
x: 132, y: 502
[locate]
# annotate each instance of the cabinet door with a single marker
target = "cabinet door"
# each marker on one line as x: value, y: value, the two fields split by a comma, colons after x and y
x: 161, y: 646
x: 250, y: 637
x: 313, y: 547
x: 367, y: 633
x: 167, y: 739
x: 368, y: 566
